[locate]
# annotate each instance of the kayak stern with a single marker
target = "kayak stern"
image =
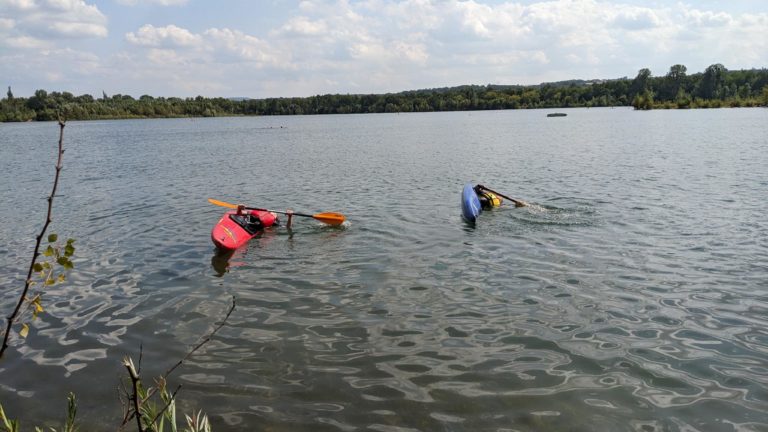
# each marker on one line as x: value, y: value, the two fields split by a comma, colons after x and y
x: 470, y: 203
x: 233, y: 231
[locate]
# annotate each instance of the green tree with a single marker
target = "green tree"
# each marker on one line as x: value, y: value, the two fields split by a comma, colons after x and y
x: 712, y: 81
x: 641, y: 82
x: 38, y: 101
x: 673, y: 82
x: 715, y: 87
x: 643, y: 101
x: 682, y: 99
x: 765, y: 96
x: 745, y: 91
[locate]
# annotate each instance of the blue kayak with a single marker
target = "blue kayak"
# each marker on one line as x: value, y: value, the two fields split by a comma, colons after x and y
x: 470, y: 203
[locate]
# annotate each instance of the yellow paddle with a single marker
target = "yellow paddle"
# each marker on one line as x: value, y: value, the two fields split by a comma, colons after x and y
x: 329, y: 218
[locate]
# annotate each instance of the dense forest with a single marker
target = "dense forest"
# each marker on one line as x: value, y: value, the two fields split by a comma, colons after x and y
x: 715, y: 87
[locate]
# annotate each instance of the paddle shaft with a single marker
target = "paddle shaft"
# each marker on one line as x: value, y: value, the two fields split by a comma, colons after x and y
x: 281, y: 212
x: 234, y: 206
x: 329, y: 218
x: 517, y: 202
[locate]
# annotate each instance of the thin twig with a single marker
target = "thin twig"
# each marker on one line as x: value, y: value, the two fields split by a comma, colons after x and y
x: 128, y: 363
x: 12, y: 317
x: 203, y: 342
x: 123, y: 402
x: 173, y: 396
x: 133, y: 372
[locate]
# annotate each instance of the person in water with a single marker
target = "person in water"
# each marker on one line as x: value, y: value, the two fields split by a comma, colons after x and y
x: 487, y: 199
x: 255, y: 223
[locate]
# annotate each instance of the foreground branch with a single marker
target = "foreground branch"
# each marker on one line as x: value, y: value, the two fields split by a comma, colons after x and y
x: 203, y: 342
x: 12, y: 317
x: 137, y: 403
x: 135, y: 382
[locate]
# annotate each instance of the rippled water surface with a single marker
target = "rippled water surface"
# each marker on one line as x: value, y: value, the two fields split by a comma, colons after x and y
x: 632, y: 295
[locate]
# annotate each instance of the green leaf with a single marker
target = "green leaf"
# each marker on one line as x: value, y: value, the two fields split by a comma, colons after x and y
x: 69, y: 250
x: 62, y: 260
x: 70, y: 426
x: 37, y: 307
x: 24, y: 330
x: 50, y: 281
x: 61, y: 278
x: 52, y: 238
x: 8, y: 422
x: 38, y: 267
x: 48, y: 251
x: 70, y: 241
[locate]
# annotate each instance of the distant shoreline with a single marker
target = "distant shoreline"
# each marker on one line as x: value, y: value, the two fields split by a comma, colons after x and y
x: 716, y: 87
x: 102, y: 118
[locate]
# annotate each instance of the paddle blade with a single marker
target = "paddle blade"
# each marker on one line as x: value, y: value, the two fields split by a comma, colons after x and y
x: 222, y: 203
x: 330, y: 218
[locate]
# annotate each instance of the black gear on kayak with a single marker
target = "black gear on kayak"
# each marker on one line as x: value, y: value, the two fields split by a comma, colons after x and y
x: 249, y: 222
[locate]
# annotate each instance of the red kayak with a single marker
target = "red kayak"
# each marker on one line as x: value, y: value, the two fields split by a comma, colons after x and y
x: 234, y: 230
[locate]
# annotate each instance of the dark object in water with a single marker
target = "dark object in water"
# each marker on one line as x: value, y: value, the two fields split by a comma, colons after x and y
x: 557, y: 115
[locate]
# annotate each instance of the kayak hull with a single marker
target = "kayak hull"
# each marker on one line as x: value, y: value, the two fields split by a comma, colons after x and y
x: 233, y: 231
x: 470, y: 204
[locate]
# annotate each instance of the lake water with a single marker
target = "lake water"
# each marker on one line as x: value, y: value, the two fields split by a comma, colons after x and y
x: 633, y: 294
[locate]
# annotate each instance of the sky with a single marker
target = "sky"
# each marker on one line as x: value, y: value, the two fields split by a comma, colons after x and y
x: 282, y: 48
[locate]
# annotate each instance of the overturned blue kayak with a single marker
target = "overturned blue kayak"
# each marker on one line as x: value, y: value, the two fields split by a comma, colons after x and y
x: 470, y: 203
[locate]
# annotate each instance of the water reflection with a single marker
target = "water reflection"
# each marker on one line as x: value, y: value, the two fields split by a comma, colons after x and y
x: 220, y: 261
x: 614, y: 302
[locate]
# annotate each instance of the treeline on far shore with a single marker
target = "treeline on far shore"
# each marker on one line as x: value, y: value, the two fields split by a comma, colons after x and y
x: 715, y: 87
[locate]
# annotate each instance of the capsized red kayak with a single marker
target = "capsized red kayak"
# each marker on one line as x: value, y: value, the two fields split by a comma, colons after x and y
x: 234, y: 230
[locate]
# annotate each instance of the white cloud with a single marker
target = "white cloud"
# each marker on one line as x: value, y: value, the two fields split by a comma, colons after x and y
x: 708, y: 18
x: 303, y: 26
x: 212, y: 46
x: 53, y: 19
x: 241, y: 46
x: 151, y: 36
x: 380, y: 45
x: 160, y: 56
x: 636, y: 19
x: 340, y: 46
x: 408, y: 14
x: 6, y: 24
x: 151, y: 2
x: 476, y: 18
x: 23, y: 43
x: 53, y: 77
x: 50, y: 68
x: 20, y: 4
x: 76, y: 29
